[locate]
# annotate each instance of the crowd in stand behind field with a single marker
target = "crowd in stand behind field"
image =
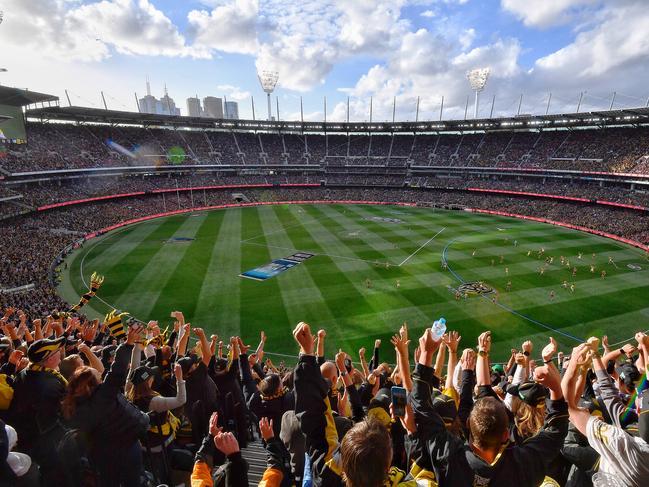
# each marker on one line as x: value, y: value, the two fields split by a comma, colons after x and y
x: 62, y: 146
x: 116, y: 402
x: 31, y: 243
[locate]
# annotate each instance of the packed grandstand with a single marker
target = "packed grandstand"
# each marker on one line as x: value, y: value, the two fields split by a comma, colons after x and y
x: 506, y: 425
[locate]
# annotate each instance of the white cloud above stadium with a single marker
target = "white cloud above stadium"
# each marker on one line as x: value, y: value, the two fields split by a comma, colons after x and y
x: 334, y: 48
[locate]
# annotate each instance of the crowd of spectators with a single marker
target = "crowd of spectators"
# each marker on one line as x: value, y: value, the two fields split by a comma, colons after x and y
x: 32, y: 242
x: 117, y: 402
x: 63, y: 146
x: 43, y: 193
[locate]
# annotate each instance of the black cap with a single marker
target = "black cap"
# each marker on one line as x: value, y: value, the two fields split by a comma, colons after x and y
x: 42, y: 349
x: 529, y: 392
x: 629, y: 374
x: 187, y: 362
x: 444, y: 406
x: 141, y: 374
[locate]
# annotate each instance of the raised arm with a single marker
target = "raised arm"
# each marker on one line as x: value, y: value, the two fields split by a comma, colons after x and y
x: 361, y: 357
x: 206, y: 352
x: 401, y: 342
x: 184, y: 339
x: 441, y: 358
x: 579, y: 417
x: 452, y: 342
x: 483, y: 375
x: 93, y: 360
x: 312, y: 406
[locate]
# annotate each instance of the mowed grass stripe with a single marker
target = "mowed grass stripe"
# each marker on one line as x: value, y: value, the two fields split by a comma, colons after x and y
x: 182, y: 289
x: 97, y: 254
x: 355, y: 306
x: 302, y: 297
x: 492, y: 316
x: 121, y: 269
x: 150, y: 277
x: 261, y: 303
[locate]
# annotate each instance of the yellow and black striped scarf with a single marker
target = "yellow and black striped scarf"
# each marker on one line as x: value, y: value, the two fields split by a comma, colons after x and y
x: 55, y: 373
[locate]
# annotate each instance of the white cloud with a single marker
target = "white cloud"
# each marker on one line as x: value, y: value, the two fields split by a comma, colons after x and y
x: 69, y: 31
x: 429, y: 14
x: 233, y: 92
x: 620, y: 40
x: 545, y: 13
x: 229, y: 27
x: 466, y: 38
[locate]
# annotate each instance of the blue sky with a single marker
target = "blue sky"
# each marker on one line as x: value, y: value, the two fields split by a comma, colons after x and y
x: 334, y: 48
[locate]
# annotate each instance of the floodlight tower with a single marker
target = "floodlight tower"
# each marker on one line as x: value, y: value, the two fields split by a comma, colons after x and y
x: 268, y: 80
x: 478, y: 79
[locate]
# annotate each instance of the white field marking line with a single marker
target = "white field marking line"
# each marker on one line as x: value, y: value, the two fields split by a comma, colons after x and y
x: 425, y: 243
x: 83, y: 279
x: 314, y: 252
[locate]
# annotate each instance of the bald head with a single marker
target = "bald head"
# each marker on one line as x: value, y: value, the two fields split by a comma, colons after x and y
x: 329, y: 371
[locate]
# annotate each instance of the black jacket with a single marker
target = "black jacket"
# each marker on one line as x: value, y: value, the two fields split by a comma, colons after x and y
x: 36, y: 406
x: 107, y: 417
x: 455, y: 463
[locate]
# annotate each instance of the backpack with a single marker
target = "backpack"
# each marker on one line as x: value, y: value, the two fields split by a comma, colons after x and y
x: 73, y: 453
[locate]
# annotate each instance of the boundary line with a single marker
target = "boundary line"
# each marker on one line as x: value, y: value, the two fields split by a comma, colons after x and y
x: 506, y: 308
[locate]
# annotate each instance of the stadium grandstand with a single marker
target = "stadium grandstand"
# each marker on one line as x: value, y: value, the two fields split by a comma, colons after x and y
x: 154, y: 267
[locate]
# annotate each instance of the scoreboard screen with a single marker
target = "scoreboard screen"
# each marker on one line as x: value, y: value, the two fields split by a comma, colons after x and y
x: 13, y: 129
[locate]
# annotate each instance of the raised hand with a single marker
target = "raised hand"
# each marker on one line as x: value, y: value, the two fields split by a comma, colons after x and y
x: 400, y: 344
x: 527, y: 346
x: 403, y: 331
x: 15, y: 357
x: 593, y: 343
x: 549, y: 350
x: 226, y: 443
x: 520, y: 359
x: 629, y: 349
x: 214, y: 427
x: 266, y: 429
x: 304, y: 338
x: 467, y: 362
x: 340, y: 361
x: 484, y: 342
x: 377, y: 343
x: 605, y: 343
x: 243, y: 348
x: 178, y: 372
x: 451, y: 340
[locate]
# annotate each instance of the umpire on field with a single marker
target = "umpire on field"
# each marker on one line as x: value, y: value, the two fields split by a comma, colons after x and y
x: 36, y: 406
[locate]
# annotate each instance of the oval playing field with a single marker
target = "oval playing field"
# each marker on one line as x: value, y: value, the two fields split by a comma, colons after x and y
x: 372, y: 268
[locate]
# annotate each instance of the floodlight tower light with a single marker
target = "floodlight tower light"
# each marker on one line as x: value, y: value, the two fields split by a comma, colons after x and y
x: 477, y: 79
x: 268, y: 80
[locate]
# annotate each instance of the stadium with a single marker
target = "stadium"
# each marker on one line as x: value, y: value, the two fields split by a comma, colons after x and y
x: 152, y: 247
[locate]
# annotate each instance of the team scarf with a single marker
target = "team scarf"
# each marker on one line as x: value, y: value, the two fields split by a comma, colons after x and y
x: 96, y: 281
x: 55, y: 373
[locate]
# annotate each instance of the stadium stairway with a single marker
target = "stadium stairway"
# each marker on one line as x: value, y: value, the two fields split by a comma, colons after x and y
x: 255, y: 455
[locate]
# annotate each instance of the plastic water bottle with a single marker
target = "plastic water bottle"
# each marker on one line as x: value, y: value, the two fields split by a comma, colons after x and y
x: 439, y: 328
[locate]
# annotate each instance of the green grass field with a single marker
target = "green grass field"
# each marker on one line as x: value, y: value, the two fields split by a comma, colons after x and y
x: 149, y: 276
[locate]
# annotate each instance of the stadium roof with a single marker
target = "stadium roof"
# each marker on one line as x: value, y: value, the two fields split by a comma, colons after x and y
x: 16, y: 97
x: 631, y: 116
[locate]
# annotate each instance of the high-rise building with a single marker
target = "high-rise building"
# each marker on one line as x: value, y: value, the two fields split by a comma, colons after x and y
x: 194, y: 107
x: 232, y: 110
x: 164, y: 106
x: 213, y: 107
